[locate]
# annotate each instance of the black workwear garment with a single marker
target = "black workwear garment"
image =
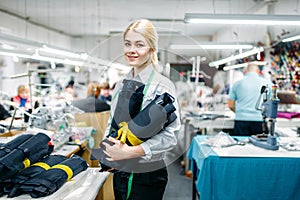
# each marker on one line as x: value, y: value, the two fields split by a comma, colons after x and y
x: 49, y: 181
x: 6, y: 148
x: 32, y: 150
x: 129, y: 102
x: 147, y: 123
x: 130, y: 99
x: 12, y: 185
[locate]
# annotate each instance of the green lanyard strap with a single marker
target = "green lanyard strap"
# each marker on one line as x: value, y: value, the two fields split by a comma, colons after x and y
x: 129, y: 186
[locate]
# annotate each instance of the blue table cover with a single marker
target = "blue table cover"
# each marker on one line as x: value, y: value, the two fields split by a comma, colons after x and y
x: 243, y: 178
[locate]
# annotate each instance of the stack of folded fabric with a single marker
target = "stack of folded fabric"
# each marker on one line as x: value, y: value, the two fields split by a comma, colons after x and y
x: 12, y: 185
x: 8, y: 147
x: 22, y: 156
x: 20, y: 153
x: 52, y: 179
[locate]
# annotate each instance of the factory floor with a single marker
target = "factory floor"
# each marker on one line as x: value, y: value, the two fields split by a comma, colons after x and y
x: 179, y: 186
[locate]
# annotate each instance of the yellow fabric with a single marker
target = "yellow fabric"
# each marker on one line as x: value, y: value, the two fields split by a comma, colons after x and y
x: 45, y: 166
x: 26, y: 163
x: 65, y: 168
x: 125, y: 133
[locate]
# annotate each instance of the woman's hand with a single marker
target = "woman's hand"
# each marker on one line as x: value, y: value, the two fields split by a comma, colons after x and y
x: 120, y: 151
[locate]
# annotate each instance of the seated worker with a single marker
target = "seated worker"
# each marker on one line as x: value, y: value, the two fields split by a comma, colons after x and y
x: 22, y: 99
x: 105, y: 92
x: 243, y: 97
x: 91, y: 103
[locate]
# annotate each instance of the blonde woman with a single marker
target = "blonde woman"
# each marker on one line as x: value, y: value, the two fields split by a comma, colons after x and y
x: 22, y: 99
x: 140, y: 51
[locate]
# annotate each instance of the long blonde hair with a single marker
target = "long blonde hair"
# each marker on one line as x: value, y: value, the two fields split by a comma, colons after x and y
x: 148, y: 31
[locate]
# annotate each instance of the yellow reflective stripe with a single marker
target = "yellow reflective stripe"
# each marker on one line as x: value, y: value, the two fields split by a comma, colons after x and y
x: 45, y: 166
x: 26, y: 163
x: 66, y: 169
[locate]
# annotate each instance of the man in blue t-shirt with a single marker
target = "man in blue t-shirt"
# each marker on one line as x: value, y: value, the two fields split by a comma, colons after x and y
x: 242, y: 100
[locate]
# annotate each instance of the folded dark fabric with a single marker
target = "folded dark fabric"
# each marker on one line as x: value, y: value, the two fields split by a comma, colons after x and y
x: 129, y: 102
x: 9, y: 146
x: 147, y: 123
x: 12, y: 185
x: 32, y: 150
x: 51, y: 180
x: 6, y: 148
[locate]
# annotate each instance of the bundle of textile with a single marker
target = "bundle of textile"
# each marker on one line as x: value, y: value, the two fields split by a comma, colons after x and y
x: 30, y: 151
x: 12, y: 185
x: 9, y: 146
x: 147, y: 123
x: 130, y: 99
x: 52, y: 179
x: 129, y: 102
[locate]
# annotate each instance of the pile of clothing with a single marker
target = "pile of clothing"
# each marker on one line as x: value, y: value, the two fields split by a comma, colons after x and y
x: 27, y: 166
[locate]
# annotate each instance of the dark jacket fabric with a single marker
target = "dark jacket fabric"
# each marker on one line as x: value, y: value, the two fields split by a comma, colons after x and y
x: 51, y: 180
x: 143, y: 124
x: 12, y: 185
x: 32, y: 150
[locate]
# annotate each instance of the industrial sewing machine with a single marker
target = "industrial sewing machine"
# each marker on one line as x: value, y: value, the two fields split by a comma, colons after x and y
x: 268, y: 108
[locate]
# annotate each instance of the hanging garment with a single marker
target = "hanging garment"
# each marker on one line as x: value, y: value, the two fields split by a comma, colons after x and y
x: 52, y: 179
x: 147, y: 123
x: 32, y: 150
x: 12, y: 185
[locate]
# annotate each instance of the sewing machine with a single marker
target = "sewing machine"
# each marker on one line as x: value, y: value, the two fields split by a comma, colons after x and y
x: 268, y: 108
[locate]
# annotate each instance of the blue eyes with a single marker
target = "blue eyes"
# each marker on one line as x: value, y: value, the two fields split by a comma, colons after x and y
x: 136, y: 45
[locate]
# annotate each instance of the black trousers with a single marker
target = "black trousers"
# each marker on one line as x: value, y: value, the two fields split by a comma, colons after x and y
x: 247, y: 128
x: 145, y: 186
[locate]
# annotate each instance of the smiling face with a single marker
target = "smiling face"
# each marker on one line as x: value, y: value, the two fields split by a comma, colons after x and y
x: 136, y: 50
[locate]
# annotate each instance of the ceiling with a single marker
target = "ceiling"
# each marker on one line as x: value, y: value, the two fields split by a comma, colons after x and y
x: 103, y: 17
x: 81, y: 18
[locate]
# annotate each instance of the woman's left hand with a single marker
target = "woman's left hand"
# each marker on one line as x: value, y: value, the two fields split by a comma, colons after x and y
x: 120, y: 151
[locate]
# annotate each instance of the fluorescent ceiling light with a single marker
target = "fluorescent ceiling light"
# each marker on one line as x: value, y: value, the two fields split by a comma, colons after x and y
x: 12, y: 53
x: 57, y: 60
x: 242, y: 19
x: 59, y: 52
x: 35, y: 56
x: 255, y: 50
x: 10, y: 39
x: 53, y: 54
x: 292, y: 38
x: 209, y: 46
x: 260, y: 63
